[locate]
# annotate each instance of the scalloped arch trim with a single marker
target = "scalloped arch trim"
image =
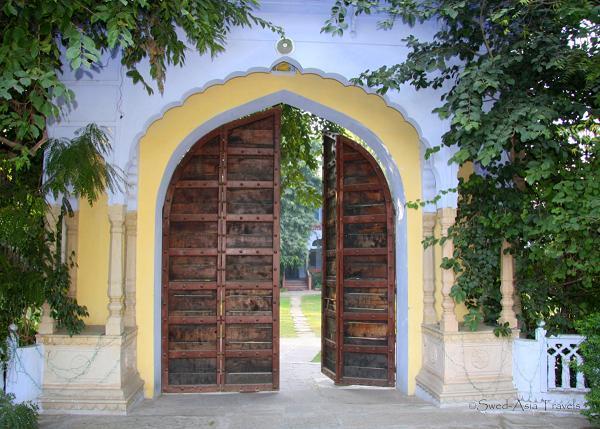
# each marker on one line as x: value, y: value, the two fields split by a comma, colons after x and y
x: 169, y: 135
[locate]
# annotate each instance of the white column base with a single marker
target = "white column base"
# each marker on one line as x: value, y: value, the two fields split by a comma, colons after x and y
x: 464, y: 366
x: 90, y: 373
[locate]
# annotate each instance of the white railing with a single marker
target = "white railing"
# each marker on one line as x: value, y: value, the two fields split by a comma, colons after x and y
x: 544, y: 368
x: 562, y: 354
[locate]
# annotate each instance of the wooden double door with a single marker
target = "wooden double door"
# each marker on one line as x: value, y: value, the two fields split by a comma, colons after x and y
x: 220, y: 272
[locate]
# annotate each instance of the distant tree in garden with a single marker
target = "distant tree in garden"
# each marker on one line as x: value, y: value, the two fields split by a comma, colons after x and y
x: 301, y: 161
x: 519, y: 84
x: 40, y: 39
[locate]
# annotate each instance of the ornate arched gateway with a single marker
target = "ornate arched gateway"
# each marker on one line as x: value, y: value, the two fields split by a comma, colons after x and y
x: 220, y: 295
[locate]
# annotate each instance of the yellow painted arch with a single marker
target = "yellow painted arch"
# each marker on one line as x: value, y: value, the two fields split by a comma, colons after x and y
x: 163, y: 137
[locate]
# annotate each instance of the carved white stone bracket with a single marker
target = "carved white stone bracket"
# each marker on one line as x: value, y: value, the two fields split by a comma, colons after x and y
x: 115, y: 323
x: 448, y: 323
x: 131, y: 237
x: 429, y: 316
x: 507, y: 286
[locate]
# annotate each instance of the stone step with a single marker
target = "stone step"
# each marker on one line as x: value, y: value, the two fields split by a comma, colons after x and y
x: 296, y: 285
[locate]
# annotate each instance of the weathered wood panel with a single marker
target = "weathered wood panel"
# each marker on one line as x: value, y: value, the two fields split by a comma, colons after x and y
x: 244, y: 336
x: 358, y: 291
x: 365, y: 235
x: 249, y: 235
x: 365, y: 300
x: 192, y: 337
x: 249, y: 201
x: 251, y: 302
x: 193, y: 268
x: 192, y: 372
x: 195, y: 200
x: 366, y: 366
x: 248, y: 371
x: 193, y: 302
x: 220, y: 259
x: 194, y: 234
x: 250, y: 168
x: 202, y: 167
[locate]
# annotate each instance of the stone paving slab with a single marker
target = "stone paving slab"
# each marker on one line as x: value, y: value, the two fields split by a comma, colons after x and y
x: 308, y: 400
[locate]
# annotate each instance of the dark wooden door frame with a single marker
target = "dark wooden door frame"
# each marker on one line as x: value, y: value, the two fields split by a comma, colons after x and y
x: 221, y: 320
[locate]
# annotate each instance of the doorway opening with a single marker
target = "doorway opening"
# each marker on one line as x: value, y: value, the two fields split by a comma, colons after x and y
x: 222, y: 263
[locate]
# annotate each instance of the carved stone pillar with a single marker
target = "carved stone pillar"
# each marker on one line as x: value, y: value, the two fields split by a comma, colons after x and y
x: 131, y: 231
x: 507, y: 287
x: 115, y: 323
x: 429, y: 316
x: 47, y: 323
x: 448, y: 323
x: 72, y: 227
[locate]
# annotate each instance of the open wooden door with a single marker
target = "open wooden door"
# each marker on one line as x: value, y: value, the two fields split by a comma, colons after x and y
x: 220, y: 294
x: 358, y: 292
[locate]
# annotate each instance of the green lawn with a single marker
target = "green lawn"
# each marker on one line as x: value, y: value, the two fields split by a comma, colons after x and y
x: 286, y: 326
x: 311, y: 308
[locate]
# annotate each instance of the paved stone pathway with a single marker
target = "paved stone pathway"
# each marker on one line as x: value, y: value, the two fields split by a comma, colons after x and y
x: 301, y: 325
x: 308, y: 400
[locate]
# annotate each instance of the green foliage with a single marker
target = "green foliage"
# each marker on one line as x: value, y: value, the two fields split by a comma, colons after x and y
x: 31, y: 267
x: 301, y: 155
x: 302, y: 151
x: 297, y: 221
x: 519, y: 84
x: 17, y: 416
x: 317, y: 280
x: 38, y: 35
x: 590, y: 350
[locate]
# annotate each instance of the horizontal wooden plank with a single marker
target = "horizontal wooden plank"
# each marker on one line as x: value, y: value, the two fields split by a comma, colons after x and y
x: 192, y: 252
x: 248, y: 151
x: 192, y: 320
x: 249, y: 285
x: 180, y: 217
x: 348, y: 156
x: 259, y: 251
x: 267, y: 387
x: 360, y: 252
x: 364, y: 218
x: 250, y: 184
x: 365, y: 283
x: 366, y: 349
x: 250, y: 218
x: 248, y: 353
x: 248, y: 319
x: 197, y: 184
x: 364, y: 316
x: 183, y: 354
x: 192, y: 285
x: 365, y: 382
x: 191, y: 388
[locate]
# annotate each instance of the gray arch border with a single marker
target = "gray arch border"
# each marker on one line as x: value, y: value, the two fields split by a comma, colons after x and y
x: 394, y: 182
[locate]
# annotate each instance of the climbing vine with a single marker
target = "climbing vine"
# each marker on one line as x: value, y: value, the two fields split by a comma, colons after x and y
x: 519, y: 84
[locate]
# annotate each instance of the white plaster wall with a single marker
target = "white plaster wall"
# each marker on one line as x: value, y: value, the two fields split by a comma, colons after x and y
x: 106, y: 96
